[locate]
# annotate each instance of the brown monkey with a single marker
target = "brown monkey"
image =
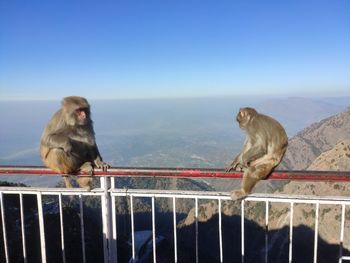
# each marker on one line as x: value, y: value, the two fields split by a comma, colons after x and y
x: 68, y: 142
x: 265, y: 144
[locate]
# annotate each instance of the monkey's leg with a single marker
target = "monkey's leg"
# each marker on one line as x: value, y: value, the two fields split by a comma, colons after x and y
x: 67, y: 182
x: 85, y: 182
x: 247, y: 182
x: 59, y: 161
x: 251, y: 176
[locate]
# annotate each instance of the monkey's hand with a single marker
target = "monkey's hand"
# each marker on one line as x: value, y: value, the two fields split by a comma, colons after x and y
x: 101, y: 164
x: 233, y: 166
x: 230, y: 168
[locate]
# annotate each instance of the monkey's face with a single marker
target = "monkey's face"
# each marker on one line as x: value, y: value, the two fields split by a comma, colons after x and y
x: 76, y: 110
x: 81, y: 115
x: 243, y: 117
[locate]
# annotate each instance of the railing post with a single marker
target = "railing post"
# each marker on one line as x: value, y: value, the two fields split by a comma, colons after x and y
x: 341, y: 240
x: 196, y: 216
x: 23, y: 228
x: 109, y: 249
x: 4, y: 227
x: 41, y: 227
x: 82, y: 228
x: 242, y: 229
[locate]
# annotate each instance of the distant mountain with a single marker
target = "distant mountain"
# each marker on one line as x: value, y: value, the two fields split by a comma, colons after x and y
x: 295, y: 113
x: 322, y: 136
x: 336, y: 159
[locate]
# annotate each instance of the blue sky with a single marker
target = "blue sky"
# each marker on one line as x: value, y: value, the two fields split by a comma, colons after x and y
x: 173, y: 48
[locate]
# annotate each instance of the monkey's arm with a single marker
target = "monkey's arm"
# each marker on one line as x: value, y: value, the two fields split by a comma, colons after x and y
x: 234, y: 164
x: 237, y: 161
x: 99, y: 163
x: 253, y: 154
x: 58, y: 141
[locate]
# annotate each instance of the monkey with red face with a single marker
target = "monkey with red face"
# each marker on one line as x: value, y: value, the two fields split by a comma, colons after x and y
x: 68, y: 142
x: 264, y: 147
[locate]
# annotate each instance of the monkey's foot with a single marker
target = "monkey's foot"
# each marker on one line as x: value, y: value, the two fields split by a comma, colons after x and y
x: 85, y: 182
x: 88, y: 188
x: 238, y: 194
x: 87, y: 168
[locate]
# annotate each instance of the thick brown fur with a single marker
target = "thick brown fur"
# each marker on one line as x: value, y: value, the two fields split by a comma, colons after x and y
x: 264, y: 147
x: 68, y: 141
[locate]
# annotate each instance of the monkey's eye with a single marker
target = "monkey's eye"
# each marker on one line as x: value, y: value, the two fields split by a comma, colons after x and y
x: 79, y: 110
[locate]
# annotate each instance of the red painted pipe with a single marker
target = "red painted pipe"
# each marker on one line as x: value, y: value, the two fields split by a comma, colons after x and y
x: 183, y: 173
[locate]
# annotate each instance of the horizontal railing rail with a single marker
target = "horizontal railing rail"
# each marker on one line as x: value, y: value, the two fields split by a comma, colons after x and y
x: 182, y: 173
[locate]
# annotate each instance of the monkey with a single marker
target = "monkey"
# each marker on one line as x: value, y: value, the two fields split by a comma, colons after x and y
x: 68, y: 142
x: 264, y: 147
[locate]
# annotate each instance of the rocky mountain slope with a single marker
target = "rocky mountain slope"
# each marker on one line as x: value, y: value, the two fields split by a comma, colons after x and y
x: 330, y: 215
x: 322, y: 136
x: 336, y: 159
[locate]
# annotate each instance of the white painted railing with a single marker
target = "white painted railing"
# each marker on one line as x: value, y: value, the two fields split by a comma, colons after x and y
x: 108, y: 196
x: 266, y: 198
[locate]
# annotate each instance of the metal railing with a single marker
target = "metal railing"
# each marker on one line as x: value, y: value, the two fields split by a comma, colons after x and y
x: 108, y: 195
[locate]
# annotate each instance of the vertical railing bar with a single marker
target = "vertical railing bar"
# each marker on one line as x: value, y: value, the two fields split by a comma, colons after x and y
x: 316, y: 232
x: 82, y: 227
x: 62, y: 228
x: 103, y: 184
x: 23, y: 228
x: 175, y: 232
x: 220, y: 232
x: 106, y: 212
x: 242, y: 230
x: 132, y: 227
x: 113, y: 242
x: 342, y: 226
x: 291, y: 232
x: 41, y: 227
x: 114, y: 233
x: 266, y: 231
x: 112, y: 182
x: 154, y: 231
x: 4, y: 234
x: 196, y: 216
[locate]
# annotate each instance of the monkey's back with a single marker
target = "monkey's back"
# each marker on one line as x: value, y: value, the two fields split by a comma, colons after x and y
x: 276, y: 135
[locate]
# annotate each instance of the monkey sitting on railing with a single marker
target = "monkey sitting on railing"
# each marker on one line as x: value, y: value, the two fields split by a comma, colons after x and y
x: 68, y: 142
x: 265, y: 144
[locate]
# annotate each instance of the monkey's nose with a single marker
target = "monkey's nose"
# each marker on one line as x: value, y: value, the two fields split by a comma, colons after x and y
x: 82, y: 115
